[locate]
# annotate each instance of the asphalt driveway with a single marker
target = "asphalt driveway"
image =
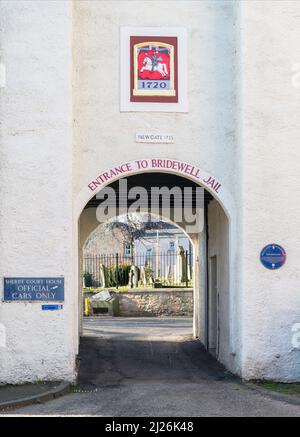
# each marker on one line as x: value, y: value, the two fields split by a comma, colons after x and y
x: 153, y: 367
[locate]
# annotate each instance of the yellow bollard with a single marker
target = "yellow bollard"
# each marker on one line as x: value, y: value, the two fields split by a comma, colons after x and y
x: 86, y: 307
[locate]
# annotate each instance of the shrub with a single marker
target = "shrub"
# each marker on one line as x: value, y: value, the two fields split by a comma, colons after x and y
x: 118, y: 276
x: 123, y: 274
x: 114, y: 276
x: 88, y: 279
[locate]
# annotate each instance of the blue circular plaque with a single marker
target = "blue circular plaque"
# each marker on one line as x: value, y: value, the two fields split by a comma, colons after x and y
x: 273, y: 256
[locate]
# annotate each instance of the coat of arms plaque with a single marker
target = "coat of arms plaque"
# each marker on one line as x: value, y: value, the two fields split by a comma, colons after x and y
x: 154, y: 76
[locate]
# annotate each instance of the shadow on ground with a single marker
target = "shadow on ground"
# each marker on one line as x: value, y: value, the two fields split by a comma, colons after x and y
x: 114, y: 357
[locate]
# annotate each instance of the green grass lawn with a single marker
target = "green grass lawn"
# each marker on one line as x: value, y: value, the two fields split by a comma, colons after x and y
x: 289, y: 389
x: 125, y: 288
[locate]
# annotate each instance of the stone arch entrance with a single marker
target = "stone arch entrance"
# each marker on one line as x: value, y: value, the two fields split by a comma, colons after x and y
x: 214, y: 256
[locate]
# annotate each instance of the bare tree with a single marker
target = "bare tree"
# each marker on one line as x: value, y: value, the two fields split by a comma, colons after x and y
x: 132, y: 227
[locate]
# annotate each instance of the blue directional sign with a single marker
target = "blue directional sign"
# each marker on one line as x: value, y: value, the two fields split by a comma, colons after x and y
x: 34, y: 289
x: 52, y: 307
x: 273, y: 256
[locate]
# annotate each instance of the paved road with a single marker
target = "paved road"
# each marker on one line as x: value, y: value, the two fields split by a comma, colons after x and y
x: 152, y: 367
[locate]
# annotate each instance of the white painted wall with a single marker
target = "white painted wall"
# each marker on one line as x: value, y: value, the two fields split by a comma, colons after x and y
x: 242, y: 127
x: 206, y: 136
x: 218, y: 246
x: 105, y: 137
x: 35, y: 185
x: 42, y: 178
x: 271, y: 189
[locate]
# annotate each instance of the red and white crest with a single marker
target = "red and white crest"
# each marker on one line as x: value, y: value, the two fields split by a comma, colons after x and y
x: 154, y: 69
x: 154, y: 64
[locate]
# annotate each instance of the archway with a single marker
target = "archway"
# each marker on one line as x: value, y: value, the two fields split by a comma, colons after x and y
x: 213, y: 320
x: 159, y: 254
